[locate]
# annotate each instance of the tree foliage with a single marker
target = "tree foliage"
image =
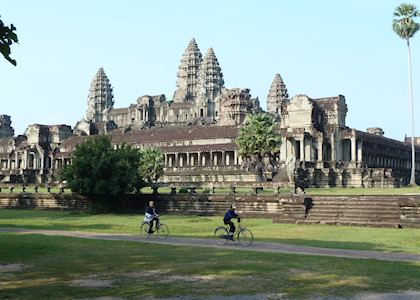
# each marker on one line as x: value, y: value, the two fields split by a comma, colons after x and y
x: 258, y: 143
x: 7, y: 38
x: 151, y: 165
x: 101, y: 172
x: 403, y: 23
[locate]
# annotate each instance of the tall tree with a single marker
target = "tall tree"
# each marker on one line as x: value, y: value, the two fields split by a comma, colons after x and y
x: 258, y: 144
x: 101, y: 172
x: 151, y: 165
x: 405, y: 26
x: 7, y: 38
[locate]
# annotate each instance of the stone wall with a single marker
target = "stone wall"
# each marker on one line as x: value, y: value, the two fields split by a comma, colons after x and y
x: 43, y: 201
x: 375, y: 211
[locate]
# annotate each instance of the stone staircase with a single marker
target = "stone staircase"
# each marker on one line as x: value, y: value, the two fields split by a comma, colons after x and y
x: 376, y: 211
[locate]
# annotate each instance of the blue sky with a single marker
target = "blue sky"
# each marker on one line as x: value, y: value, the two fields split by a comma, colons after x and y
x: 321, y: 48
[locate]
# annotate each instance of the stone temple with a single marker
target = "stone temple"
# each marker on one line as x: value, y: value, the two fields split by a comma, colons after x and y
x: 197, y: 129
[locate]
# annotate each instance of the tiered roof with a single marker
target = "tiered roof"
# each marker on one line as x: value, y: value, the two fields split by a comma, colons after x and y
x: 187, y: 83
x: 277, y: 95
x: 100, y: 96
x: 210, y: 77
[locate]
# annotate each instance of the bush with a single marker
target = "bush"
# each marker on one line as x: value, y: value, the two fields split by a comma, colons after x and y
x: 102, y: 173
x: 183, y: 190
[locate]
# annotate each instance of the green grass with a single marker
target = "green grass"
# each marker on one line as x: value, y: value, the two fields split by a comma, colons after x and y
x: 341, y: 237
x: 137, y: 270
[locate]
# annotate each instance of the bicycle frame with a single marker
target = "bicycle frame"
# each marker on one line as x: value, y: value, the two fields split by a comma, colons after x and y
x: 237, y: 231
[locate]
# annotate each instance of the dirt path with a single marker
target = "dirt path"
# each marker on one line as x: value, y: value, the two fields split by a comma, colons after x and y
x: 256, y: 246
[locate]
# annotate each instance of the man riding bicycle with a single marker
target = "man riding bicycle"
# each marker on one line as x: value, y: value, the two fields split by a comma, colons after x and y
x: 150, y: 216
x: 227, y: 220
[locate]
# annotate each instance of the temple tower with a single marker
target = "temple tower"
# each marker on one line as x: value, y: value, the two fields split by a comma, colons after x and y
x: 6, y: 129
x: 210, y: 81
x: 235, y: 105
x: 100, y: 98
x: 277, y: 95
x: 187, y: 83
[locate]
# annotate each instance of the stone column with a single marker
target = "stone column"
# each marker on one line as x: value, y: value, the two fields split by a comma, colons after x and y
x: 42, y: 161
x: 283, y: 149
x: 227, y: 160
x: 359, y: 151
x: 333, y: 156
x: 353, y: 149
x: 302, y: 148
x: 320, y: 143
x: 181, y: 160
x: 308, y: 149
x: 189, y: 160
x: 235, y: 157
x: 176, y: 160
x: 170, y: 161
x: 199, y: 163
x: 223, y: 158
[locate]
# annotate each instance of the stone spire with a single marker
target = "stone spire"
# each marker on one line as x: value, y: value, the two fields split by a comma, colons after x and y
x: 100, y: 98
x: 210, y: 77
x: 187, y: 83
x: 277, y: 95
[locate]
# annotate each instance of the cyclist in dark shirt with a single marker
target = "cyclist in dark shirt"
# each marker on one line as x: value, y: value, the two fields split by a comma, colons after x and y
x: 150, y: 216
x: 227, y: 219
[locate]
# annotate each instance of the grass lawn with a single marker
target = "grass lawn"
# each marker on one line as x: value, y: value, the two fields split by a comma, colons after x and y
x: 45, y: 267
x: 340, y: 237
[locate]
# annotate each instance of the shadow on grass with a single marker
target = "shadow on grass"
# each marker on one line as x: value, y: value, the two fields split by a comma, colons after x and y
x: 332, y: 244
x: 164, y: 271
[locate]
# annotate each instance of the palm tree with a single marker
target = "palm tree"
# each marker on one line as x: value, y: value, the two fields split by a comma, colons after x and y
x: 258, y: 143
x: 405, y: 26
x: 151, y: 165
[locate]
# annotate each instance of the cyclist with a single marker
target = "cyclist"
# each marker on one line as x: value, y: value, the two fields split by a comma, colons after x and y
x: 229, y: 215
x: 150, y: 216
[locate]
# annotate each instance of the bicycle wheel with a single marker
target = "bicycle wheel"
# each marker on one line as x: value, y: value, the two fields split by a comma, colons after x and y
x: 221, y: 235
x: 144, y: 230
x: 163, y: 231
x: 245, y: 237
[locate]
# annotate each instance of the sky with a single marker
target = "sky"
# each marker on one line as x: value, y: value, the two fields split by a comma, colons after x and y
x: 321, y: 49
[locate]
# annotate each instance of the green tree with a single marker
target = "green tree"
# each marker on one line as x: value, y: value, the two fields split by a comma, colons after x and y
x: 101, y: 172
x: 7, y: 38
x: 405, y: 26
x: 258, y: 143
x: 151, y: 165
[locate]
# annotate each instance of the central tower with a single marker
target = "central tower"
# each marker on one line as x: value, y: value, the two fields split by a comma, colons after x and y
x: 187, y: 83
x: 100, y: 98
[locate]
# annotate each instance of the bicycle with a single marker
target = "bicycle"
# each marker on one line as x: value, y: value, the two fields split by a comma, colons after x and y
x: 162, y: 231
x: 243, y: 235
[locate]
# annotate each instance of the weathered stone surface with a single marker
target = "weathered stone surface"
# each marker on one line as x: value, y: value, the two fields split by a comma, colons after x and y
x: 325, y: 152
x: 375, y: 130
x: 6, y: 129
x: 187, y: 83
x: 277, y: 96
x: 100, y: 98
